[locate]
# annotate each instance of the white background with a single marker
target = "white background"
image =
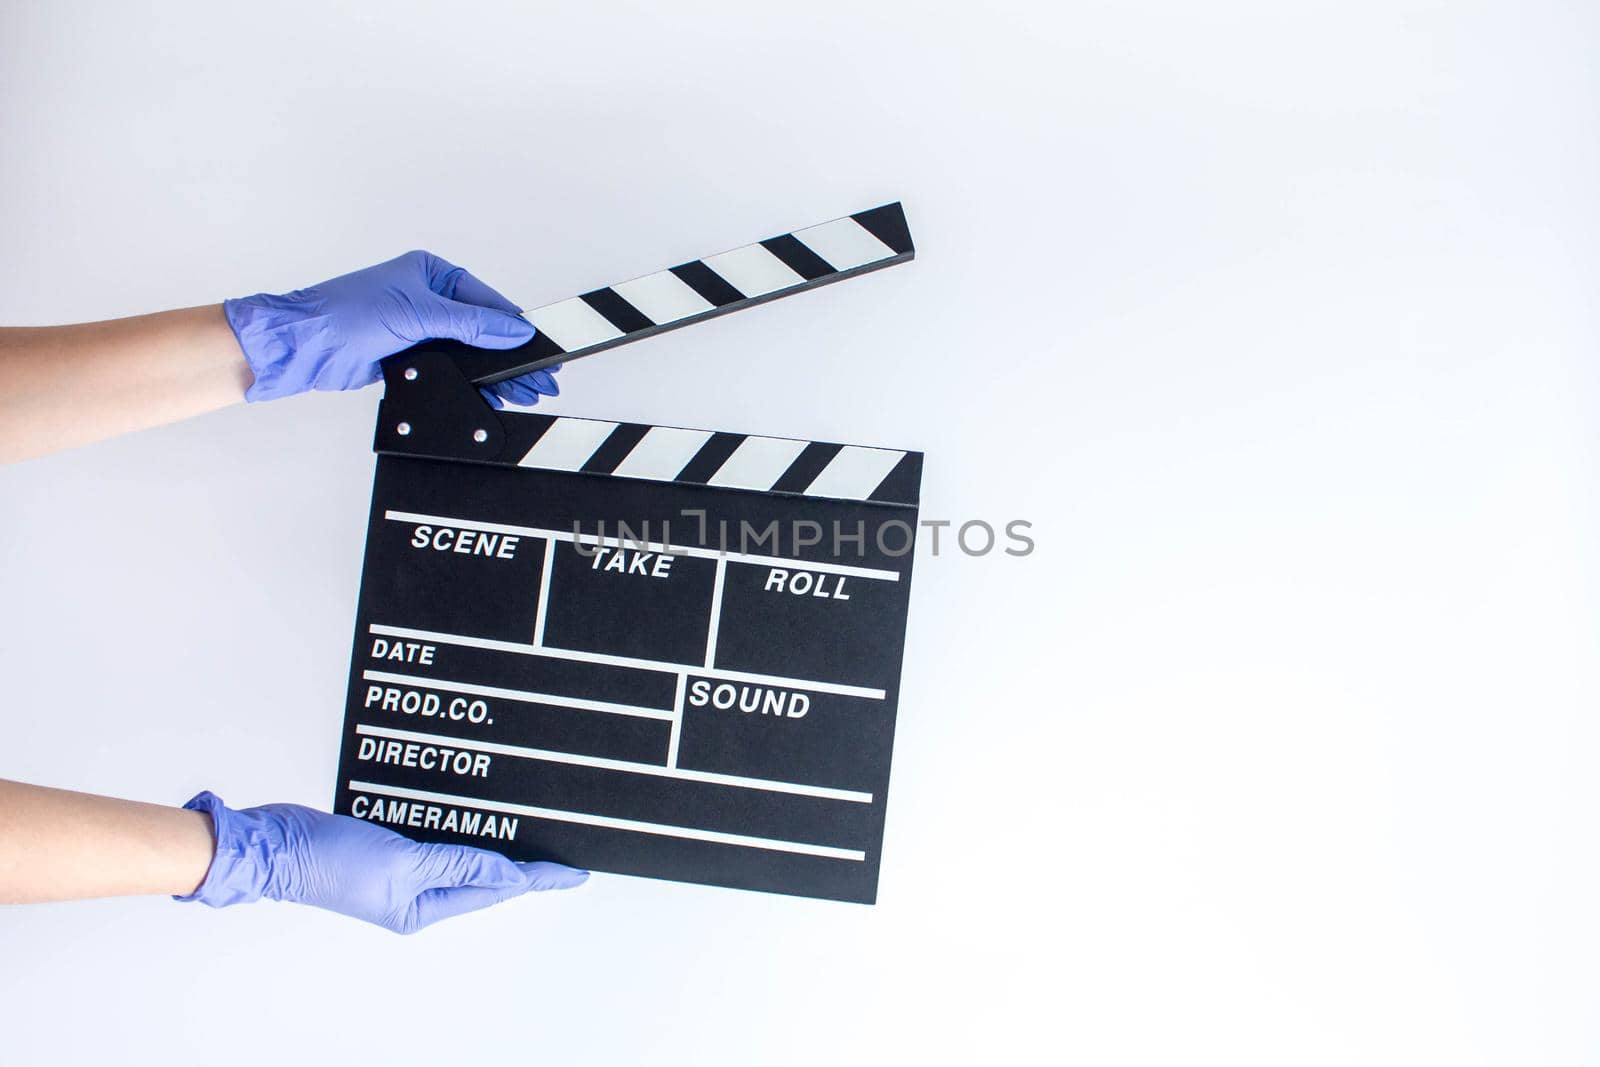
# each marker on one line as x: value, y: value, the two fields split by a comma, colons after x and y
x: 1276, y: 320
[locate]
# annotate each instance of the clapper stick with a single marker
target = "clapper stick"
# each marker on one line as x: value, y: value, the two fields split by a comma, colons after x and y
x: 429, y: 410
x: 705, y: 288
x: 643, y: 649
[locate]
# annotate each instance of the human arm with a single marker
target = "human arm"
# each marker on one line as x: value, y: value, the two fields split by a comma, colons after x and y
x: 62, y: 386
x: 56, y: 844
x: 60, y: 845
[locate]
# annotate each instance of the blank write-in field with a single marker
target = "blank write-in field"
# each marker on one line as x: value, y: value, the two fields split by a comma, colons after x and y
x: 875, y: 573
x: 610, y: 822
x: 605, y: 659
x: 685, y: 774
x: 520, y: 695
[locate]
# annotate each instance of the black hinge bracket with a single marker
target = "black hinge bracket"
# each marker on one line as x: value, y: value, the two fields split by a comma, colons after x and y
x: 431, y: 408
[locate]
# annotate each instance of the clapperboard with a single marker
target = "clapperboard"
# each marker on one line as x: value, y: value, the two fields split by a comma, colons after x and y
x: 642, y: 649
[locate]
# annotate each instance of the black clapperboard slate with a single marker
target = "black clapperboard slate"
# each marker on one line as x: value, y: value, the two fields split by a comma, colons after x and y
x: 565, y: 650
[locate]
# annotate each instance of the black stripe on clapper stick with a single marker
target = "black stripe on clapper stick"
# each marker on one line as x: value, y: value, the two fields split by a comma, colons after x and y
x: 524, y: 431
x: 888, y: 224
x: 615, y: 448
x: 617, y: 311
x: 708, y: 283
x: 901, y: 483
x: 712, y: 455
x: 805, y: 468
x: 798, y: 258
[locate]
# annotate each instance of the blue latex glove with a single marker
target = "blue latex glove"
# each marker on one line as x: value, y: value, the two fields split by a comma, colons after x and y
x: 332, y: 335
x: 356, y: 868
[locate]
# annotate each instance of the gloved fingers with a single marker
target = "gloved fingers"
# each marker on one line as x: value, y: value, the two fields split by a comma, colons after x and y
x: 542, y: 382
x: 511, y: 392
x: 445, y: 902
x: 458, y: 284
x: 543, y: 875
x: 442, y: 277
x: 432, y: 905
x: 464, y: 287
x: 449, y: 866
x: 473, y: 325
x: 527, y: 389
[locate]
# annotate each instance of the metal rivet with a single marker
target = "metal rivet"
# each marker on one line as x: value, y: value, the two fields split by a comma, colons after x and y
x: 403, y: 429
x: 480, y: 436
x: 411, y: 374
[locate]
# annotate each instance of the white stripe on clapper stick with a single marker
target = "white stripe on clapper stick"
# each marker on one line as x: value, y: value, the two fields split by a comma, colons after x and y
x: 572, y: 324
x: 844, y: 243
x: 567, y: 444
x: 662, y: 297
x: 758, y: 463
x: 754, y: 271
x: 854, y: 472
x: 661, y: 453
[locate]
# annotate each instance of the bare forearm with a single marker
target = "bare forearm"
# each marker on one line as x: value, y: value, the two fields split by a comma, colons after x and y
x: 60, y: 845
x: 62, y: 386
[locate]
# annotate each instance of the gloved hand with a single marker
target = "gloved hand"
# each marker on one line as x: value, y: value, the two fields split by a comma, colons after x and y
x: 356, y: 868
x: 332, y: 335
